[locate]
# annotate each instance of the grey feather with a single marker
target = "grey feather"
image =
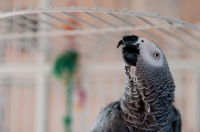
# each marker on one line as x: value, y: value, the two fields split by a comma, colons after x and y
x: 146, y: 103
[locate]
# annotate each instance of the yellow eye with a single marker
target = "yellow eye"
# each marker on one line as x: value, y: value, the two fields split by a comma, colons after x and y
x: 156, y: 55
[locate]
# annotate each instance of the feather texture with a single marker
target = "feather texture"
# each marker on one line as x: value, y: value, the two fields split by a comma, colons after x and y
x: 146, y: 103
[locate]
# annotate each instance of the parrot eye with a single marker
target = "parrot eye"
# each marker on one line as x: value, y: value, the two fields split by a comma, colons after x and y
x: 156, y: 55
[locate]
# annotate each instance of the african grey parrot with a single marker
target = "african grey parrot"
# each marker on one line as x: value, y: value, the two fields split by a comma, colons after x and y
x: 146, y: 103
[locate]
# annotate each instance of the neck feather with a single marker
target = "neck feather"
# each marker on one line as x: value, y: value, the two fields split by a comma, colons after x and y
x: 144, y: 107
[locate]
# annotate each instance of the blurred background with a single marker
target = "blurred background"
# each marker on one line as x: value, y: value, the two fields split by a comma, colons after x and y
x: 32, y: 99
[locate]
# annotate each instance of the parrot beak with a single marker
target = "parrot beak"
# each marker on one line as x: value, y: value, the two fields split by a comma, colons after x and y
x: 130, y: 52
x: 128, y: 40
x: 120, y: 43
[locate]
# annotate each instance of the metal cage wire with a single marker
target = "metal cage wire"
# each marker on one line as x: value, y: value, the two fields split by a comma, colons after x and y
x: 85, y: 23
x: 95, y: 29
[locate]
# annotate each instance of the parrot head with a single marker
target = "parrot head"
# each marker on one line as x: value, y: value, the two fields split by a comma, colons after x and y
x: 137, y: 48
x: 144, y: 60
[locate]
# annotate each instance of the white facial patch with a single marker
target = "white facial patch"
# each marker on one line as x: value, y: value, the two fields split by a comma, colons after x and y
x: 148, y: 49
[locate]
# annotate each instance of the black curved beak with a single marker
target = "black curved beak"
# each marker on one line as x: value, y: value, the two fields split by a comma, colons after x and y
x: 131, y: 50
x: 128, y: 40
